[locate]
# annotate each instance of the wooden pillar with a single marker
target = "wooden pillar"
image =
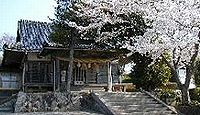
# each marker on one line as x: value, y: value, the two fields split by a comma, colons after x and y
x: 57, y: 66
x: 23, y: 77
x: 54, y: 75
x: 109, y: 83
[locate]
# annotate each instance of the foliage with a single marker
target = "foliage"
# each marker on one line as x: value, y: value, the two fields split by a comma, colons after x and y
x: 197, y: 73
x: 195, y: 103
x: 169, y: 96
x: 126, y: 79
x: 149, y: 76
x: 167, y: 93
x: 195, y: 94
x: 119, y: 33
x: 62, y: 29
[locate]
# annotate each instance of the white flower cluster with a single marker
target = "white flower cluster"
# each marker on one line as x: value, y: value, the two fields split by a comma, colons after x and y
x: 175, y: 24
x: 174, y: 29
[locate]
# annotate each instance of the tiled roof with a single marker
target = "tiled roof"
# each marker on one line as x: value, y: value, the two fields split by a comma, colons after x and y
x: 33, y: 36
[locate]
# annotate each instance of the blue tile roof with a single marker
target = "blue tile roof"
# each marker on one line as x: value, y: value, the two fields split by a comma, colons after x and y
x: 33, y: 36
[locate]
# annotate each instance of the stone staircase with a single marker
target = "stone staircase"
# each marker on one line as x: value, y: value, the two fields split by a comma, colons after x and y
x: 134, y: 103
x: 89, y: 88
x: 110, y: 103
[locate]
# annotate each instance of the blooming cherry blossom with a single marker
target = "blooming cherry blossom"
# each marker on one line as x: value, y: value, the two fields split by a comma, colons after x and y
x: 175, y: 26
x: 174, y: 30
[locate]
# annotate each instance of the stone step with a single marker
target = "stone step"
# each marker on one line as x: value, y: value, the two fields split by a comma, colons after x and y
x: 138, y: 109
x: 132, y: 104
x: 130, y: 110
x: 94, y: 88
x: 136, y: 106
x: 148, y: 113
x: 122, y: 95
x: 6, y: 109
x: 130, y: 97
x: 89, y: 90
x: 145, y: 100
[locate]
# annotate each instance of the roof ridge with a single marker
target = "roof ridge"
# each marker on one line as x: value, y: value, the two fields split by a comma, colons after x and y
x: 32, y: 21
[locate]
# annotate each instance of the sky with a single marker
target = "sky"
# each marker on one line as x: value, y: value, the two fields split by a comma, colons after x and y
x: 11, y: 11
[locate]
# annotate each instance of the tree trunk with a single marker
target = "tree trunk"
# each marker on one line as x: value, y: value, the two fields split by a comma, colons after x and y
x: 184, y: 88
x: 70, y: 65
x: 185, y: 95
x: 70, y: 68
x: 189, y: 72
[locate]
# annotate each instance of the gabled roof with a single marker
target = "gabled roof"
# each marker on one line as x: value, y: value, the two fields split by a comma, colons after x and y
x: 33, y: 36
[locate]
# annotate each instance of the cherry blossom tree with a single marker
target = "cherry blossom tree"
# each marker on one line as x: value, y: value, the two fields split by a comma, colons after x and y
x: 6, y: 38
x: 93, y: 20
x: 167, y: 26
x: 175, y: 30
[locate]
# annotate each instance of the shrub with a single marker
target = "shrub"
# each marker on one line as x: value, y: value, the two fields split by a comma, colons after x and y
x: 169, y: 96
x: 149, y: 76
x: 195, y: 94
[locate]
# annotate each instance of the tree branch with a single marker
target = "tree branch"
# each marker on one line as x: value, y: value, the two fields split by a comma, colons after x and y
x: 190, y: 68
x: 174, y: 72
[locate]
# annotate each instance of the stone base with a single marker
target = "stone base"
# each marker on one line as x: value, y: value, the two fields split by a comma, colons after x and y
x: 51, y: 101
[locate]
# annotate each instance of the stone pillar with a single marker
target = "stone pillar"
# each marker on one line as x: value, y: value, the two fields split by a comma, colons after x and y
x: 109, y: 83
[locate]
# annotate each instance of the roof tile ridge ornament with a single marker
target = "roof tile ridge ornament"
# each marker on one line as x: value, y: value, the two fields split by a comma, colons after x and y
x: 33, y: 21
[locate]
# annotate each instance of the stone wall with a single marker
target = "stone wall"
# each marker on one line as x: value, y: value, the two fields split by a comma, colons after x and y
x: 42, y: 102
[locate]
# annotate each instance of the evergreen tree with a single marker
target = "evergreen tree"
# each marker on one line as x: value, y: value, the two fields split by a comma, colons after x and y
x: 66, y: 31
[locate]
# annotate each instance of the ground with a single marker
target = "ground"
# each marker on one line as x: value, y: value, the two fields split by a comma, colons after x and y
x: 53, y: 113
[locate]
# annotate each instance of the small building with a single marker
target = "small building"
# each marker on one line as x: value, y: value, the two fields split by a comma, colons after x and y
x: 42, y: 65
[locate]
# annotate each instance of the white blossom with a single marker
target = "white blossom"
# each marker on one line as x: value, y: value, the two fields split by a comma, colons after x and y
x: 175, y: 24
x: 175, y: 27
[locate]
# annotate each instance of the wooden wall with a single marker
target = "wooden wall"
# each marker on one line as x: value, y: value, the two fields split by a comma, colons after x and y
x: 10, y: 80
